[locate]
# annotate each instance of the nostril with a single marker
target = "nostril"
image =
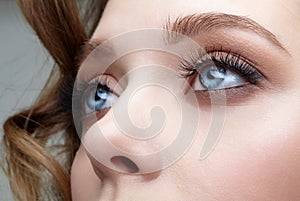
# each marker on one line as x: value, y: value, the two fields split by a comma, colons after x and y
x: 124, y: 164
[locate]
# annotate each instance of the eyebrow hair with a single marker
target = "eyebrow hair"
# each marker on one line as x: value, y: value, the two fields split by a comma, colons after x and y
x: 192, y: 25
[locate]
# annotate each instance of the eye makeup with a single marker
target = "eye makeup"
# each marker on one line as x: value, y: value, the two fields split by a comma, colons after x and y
x: 270, y: 61
x: 223, y: 58
x: 220, y: 63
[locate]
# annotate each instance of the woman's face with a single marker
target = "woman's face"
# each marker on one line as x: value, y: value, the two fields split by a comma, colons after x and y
x: 257, y: 152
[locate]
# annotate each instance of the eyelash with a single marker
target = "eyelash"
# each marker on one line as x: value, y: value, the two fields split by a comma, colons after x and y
x: 82, y: 89
x: 189, y: 67
x: 227, y: 59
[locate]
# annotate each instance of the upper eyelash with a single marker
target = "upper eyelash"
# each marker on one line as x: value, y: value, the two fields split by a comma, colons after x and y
x: 83, y: 86
x: 188, y: 67
x: 95, y: 81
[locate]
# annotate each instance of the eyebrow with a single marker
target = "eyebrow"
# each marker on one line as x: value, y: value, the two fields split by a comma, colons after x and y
x: 192, y: 25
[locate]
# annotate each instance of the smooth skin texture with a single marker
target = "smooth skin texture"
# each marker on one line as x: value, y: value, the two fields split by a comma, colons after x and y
x: 258, y: 155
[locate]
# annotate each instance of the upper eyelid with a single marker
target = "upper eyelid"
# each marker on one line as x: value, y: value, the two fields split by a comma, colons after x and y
x: 214, y: 52
x: 212, y: 49
x: 107, y: 79
x: 252, y: 63
x: 238, y: 57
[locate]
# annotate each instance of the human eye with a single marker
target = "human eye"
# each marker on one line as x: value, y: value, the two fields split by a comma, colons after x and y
x: 220, y: 70
x: 99, y: 94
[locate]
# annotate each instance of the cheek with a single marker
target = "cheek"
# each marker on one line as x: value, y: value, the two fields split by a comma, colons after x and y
x: 85, y: 185
x: 259, y: 153
x: 257, y: 157
x: 266, y: 171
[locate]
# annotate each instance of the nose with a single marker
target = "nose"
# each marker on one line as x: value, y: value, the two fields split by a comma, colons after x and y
x: 143, y: 131
x: 130, y: 136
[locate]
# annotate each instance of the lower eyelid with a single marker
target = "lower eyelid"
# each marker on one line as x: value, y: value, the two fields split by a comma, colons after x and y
x: 230, y: 95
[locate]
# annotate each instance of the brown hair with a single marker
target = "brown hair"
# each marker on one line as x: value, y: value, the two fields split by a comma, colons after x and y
x: 41, y: 142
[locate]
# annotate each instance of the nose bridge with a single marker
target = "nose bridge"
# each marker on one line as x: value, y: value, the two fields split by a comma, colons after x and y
x: 152, y: 87
x: 144, y: 106
x: 151, y: 95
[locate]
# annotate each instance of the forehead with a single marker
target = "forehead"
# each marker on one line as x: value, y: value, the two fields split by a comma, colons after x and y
x: 151, y: 12
x: 278, y: 16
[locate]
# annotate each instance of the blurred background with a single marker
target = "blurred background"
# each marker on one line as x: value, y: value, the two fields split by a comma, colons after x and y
x: 24, y: 66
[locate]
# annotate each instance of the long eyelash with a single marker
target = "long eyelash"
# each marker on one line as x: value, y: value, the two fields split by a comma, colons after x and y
x: 81, y: 88
x: 227, y: 59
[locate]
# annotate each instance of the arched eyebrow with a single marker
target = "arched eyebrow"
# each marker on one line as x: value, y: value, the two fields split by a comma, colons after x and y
x: 192, y: 25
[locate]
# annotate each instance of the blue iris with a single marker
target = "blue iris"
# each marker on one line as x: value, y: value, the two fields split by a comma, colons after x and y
x: 101, y: 98
x: 212, y: 77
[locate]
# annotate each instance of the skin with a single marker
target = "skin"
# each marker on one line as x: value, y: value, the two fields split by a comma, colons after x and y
x: 257, y: 156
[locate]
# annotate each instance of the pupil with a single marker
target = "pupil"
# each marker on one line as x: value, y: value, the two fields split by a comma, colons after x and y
x: 212, y: 76
x: 217, y: 73
x: 100, y: 98
x: 101, y: 93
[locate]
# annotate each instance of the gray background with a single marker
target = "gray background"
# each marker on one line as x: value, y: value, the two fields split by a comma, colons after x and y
x: 24, y: 68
